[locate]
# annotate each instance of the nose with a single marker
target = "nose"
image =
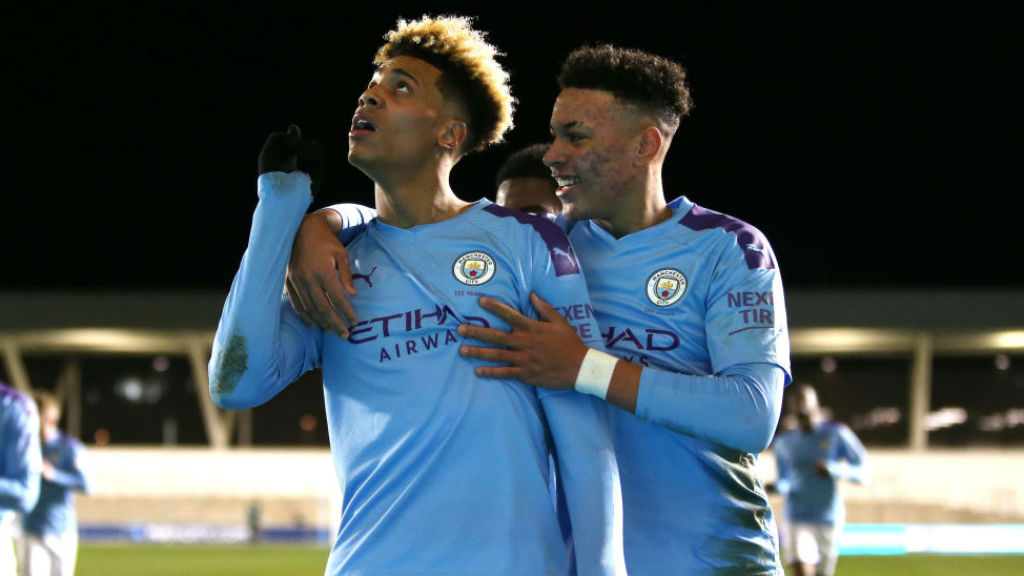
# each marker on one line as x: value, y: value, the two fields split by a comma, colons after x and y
x: 367, y: 98
x: 553, y: 158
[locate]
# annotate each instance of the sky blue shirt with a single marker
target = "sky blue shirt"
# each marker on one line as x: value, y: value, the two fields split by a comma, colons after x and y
x: 697, y: 301
x: 54, y: 514
x: 20, y: 456
x: 810, y: 496
x: 441, y: 472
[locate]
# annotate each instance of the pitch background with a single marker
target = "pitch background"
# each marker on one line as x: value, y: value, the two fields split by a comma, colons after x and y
x: 245, y: 561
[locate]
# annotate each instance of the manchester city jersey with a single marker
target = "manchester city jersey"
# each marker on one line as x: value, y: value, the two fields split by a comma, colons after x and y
x: 20, y: 457
x: 441, y: 472
x: 695, y: 294
x: 810, y: 495
x: 55, y: 514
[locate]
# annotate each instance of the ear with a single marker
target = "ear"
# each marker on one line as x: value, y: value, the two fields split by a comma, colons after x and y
x: 649, y: 145
x: 453, y: 136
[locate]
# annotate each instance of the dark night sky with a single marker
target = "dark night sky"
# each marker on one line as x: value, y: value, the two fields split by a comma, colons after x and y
x: 872, y: 143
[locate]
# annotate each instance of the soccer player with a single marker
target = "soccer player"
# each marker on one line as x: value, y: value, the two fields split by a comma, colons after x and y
x: 811, y: 461
x: 49, y: 540
x: 20, y: 466
x: 440, y: 471
x: 690, y: 304
x: 524, y: 183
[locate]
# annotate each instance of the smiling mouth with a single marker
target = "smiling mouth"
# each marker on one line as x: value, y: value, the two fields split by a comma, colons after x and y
x: 565, y: 183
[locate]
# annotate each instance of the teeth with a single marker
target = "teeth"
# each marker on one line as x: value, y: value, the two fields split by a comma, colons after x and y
x: 363, y: 124
x: 566, y: 180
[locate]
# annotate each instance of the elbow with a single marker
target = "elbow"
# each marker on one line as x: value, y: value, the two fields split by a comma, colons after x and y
x: 229, y: 399
x: 227, y: 389
x: 755, y: 436
x: 754, y: 440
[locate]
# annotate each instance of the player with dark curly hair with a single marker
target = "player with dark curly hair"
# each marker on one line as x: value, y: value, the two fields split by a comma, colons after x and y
x: 690, y: 304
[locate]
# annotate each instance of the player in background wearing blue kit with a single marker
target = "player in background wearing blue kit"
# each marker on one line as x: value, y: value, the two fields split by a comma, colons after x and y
x: 691, y: 308
x: 811, y: 461
x: 49, y: 541
x: 525, y: 184
x: 21, y: 463
x: 440, y: 471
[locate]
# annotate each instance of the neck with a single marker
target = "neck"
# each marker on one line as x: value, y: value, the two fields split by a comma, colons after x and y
x: 407, y: 199
x: 640, y: 209
x: 412, y: 202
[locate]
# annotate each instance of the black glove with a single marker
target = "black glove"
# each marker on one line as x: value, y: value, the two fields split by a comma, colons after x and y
x: 287, y: 151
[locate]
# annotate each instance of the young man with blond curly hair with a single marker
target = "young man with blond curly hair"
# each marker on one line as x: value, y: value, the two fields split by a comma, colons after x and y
x: 440, y: 472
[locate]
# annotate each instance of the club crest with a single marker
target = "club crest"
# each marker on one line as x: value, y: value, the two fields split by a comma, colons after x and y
x: 474, y: 268
x: 665, y: 287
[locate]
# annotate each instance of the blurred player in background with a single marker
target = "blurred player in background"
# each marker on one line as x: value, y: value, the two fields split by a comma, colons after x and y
x: 811, y: 460
x: 524, y: 183
x: 440, y: 472
x: 49, y: 541
x: 20, y: 466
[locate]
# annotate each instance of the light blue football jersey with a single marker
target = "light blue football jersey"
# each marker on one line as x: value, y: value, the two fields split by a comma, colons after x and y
x: 20, y: 456
x: 441, y: 472
x: 694, y: 295
x: 811, y: 497
x: 54, y: 513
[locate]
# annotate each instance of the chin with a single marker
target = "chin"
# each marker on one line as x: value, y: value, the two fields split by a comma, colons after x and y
x: 574, y: 213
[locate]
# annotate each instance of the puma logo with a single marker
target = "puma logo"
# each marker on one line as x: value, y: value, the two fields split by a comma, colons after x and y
x: 556, y: 251
x: 366, y: 277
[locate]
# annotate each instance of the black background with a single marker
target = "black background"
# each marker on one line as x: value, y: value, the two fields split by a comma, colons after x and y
x: 873, y: 143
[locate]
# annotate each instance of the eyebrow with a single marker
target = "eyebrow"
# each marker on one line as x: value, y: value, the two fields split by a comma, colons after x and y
x: 565, y: 126
x: 400, y: 72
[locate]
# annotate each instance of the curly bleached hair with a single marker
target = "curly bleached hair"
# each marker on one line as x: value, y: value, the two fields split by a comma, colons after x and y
x: 470, y: 72
x: 643, y: 79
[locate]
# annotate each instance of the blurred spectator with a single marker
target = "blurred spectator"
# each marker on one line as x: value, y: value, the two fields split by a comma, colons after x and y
x: 49, y: 541
x: 811, y: 460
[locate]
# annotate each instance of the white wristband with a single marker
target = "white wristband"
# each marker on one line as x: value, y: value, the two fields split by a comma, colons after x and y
x: 595, y: 373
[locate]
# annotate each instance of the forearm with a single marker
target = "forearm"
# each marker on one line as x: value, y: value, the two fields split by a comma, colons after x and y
x: 71, y: 478
x: 842, y: 470
x: 250, y: 351
x: 738, y: 408
x: 589, y: 477
x: 19, y: 493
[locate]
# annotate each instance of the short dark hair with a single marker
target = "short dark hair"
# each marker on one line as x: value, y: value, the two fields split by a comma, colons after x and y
x: 526, y: 162
x: 649, y: 81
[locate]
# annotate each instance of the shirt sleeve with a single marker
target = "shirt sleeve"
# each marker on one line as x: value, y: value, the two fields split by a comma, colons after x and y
x: 261, y: 345
x: 20, y: 489
x: 746, y: 319
x: 579, y: 423
x: 738, y: 408
x: 850, y: 461
x: 353, y: 216
x: 69, y: 473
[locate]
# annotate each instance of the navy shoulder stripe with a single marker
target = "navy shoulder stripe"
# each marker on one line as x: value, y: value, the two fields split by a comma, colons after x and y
x: 748, y: 238
x: 562, y: 255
